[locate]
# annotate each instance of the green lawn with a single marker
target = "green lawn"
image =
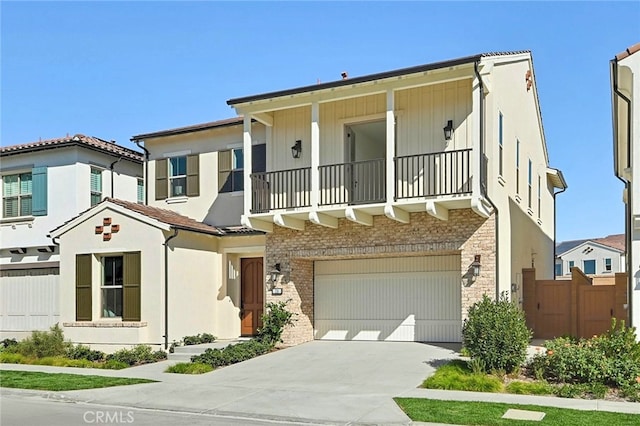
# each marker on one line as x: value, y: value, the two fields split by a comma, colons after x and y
x: 490, y: 413
x: 61, y: 381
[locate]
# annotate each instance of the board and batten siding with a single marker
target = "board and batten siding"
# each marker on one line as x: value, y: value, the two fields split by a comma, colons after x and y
x: 29, y: 299
x: 394, y: 299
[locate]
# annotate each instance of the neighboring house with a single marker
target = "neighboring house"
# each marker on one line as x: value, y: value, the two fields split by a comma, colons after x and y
x: 43, y: 184
x: 392, y: 202
x: 182, y: 264
x: 625, y: 93
x: 593, y: 256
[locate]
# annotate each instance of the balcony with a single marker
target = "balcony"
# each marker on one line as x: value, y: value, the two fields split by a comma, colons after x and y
x: 358, y: 183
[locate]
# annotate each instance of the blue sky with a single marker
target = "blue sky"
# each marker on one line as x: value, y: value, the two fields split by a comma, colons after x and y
x: 116, y: 69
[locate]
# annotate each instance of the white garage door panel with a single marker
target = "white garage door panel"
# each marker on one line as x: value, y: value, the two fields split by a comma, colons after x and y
x: 29, y: 299
x: 397, y: 306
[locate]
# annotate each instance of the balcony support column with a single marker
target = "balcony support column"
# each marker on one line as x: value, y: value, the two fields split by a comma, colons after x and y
x: 315, y: 155
x: 246, y: 150
x: 391, y: 148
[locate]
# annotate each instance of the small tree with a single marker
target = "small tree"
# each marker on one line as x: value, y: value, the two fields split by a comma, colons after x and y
x: 276, y: 318
x: 496, y: 334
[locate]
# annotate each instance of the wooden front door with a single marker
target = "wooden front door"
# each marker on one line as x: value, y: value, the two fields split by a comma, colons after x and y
x: 251, y: 295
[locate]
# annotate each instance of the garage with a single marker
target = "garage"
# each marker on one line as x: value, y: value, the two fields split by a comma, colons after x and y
x: 28, y: 299
x: 392, y: 299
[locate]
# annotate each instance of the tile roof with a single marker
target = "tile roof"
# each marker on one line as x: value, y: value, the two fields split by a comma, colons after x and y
x: 193, y: 128
x: 371, y: 77
x: 628, y: 51
x: 89, y: 142
x: 616, y: 241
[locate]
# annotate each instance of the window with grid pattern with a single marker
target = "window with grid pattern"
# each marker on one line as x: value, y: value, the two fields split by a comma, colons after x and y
x: 17, y: 195
x: 96, y: 186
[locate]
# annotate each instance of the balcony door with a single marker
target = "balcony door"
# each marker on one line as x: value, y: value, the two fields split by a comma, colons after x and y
x: 365, y: 146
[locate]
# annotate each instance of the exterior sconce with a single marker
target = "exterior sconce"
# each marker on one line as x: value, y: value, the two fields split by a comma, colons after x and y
x: 475, y: 265
x: 275, y: 273
x: 296, y: 149
x: 448, y: 130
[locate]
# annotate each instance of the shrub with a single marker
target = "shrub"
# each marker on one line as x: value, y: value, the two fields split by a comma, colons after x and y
x: 582, y: 390
x: 13, y: 358
x: 114, y: 365
x: 189, y: 368
x: 198, y: 339
x: 43, y: 344
x: 232, y: 354
x: 6, y: 343
x: 139, y: 354
x: 530, y: 388
x: 84, y: 352
x: 456, y: 375
x: 276, y: 318
x: 620, y: 347
x: 496, y: 333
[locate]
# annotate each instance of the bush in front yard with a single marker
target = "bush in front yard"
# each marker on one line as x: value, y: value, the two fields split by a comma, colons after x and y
x: 275, y: 319
x: 139, y: 354
x: 232, y: 354
x: 43, y: 344
x: 85, y: 352
x: 189, y: 368
x: 198, y: 339
x: 496, y: 333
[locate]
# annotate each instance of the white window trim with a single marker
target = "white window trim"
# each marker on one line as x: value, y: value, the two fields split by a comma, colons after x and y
x: 20, y: 218
x: 104, y: 287
x: 177, y: 154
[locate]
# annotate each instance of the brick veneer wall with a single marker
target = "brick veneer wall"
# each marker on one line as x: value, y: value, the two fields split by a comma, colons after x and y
x: 465, y: 233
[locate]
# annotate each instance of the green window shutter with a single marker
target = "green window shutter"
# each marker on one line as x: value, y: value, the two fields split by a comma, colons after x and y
x: 83, y: 287
x: 39, y: 188
x: 193, y: 178
x: 162, y: 188
x: 131, y: 287
x: 225, y: 159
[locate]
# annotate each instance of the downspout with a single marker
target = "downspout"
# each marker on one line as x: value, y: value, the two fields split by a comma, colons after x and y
x: 111, y: 168
x: 481, y: 159
x: 146, y: 170
x: 555, y: 213
x: 627, y: 184
x: 166, y: 287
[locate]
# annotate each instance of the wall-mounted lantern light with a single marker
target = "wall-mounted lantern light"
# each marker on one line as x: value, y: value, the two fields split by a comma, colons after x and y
x: 448, y: 130
x: 275, y: 273
x: 296, y: 149
x: 475, y: 265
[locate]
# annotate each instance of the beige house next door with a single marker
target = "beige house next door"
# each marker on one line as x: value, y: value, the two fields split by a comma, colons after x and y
x: 391, y: 299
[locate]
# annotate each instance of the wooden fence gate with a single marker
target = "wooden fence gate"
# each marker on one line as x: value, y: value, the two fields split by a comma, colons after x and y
x: 579, y: 307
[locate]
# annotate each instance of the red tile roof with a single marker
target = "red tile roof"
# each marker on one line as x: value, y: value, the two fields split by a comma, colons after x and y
x: 628, y: 51
x: 616, y: 241
x: 89, y: 142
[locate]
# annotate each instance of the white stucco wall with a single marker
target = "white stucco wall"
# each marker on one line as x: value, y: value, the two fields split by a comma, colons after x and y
x: 595, y: 252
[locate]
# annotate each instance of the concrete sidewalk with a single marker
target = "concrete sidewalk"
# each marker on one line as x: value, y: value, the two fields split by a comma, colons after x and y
x: 317, y: 382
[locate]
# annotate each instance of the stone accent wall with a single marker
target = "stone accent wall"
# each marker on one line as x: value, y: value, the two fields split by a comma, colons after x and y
x: 465, y: 233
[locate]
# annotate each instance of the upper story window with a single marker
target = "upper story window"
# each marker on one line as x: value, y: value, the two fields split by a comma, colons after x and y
x: 96, y: 186
x: 500, y: 144
x: 231, y: 167
x: 140, y: 192
x: 178, y: 176
x: 517, y: 166
x: 539, y: 195
x: 607, y: 264
x: 17, y: 195
x: 530, y: 182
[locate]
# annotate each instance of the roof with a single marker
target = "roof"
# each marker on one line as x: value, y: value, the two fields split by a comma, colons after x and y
x: 615, y: 241
x: 189, y: 129
x: 169, y: 217
x: 372, y: 77
x: 628, y: 51
x: 90, y: 142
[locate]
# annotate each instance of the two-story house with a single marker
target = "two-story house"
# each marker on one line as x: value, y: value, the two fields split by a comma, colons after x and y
x: 595, y: 256
x: 625, y: 94
x: 393, y: 201
x: 179, y: 265
x: 43, y: 184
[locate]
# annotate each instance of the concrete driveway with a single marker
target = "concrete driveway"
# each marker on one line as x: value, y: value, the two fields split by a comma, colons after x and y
x: 318, y: 382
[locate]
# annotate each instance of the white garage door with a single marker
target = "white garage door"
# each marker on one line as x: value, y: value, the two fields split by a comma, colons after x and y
x: 393, y: 299
x: 29, y: 299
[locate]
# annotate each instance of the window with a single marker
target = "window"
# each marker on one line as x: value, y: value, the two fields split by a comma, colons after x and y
x: 539, y: 193
x: 177, y: 177
x: 112, y: 279
x: 589, y: 266
x: 558, y: 269
x: 517, y: 166
x: 500, y: 145
x: 96, y: 186
x: 16, y: 195
x: 140, y: 190
x: 607, y: 264
x: 231, y: 167
x: 530, y: 181
x: 571, y: 265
